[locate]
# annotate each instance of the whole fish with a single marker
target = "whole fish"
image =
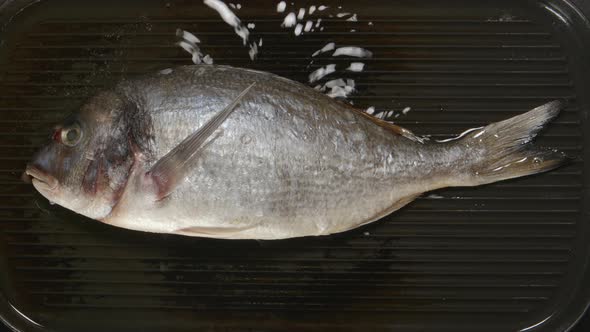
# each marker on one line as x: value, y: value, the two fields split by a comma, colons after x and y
x: 222, y: 152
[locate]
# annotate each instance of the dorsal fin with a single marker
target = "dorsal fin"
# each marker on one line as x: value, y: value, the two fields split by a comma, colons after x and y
x: 390, y: 126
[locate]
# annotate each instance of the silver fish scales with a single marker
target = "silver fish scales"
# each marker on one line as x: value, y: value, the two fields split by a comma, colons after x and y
x: 222, y: 152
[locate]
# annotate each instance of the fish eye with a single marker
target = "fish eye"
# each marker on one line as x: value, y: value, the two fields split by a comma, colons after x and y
x: 71, y: 136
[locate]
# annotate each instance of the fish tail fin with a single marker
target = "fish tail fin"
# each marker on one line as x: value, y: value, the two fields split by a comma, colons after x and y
x: 504, y: 150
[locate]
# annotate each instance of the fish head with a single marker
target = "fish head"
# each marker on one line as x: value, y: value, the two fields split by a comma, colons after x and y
x: 58, y: 165
x: 83, y: 167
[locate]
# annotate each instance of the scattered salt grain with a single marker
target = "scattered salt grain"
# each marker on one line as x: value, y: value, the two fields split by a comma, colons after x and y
x: 253, y: 51
x: 251, y: 25
x: 281, y: 7
x: 326, y: 48
x: 353, y: 51
x: 189, y: 37
x: 308, y: 26
x: 290, y: 20
x: 298, y: 29
x: 336, y: 82
x: 229, y: 17
x: 341, y: 15
x: 340, y: 91
x: 301, y: 13
x: 321, y: 72
x: 322, y: 8
x: 166, y: 71
x: 260, y: 42
x: 350, y: 82
x: 311, y: 9
x: 352, y: 18
x: 356, y: 66
x: 187, y: 47
x: 339, y: 88
x: 197, y: 58
x: 207, y: 59
x: 370, y: 110
x: 188, y: 43
x: 406, y: 110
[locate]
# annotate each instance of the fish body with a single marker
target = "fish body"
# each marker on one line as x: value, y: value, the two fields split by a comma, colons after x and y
x: 285, y: 161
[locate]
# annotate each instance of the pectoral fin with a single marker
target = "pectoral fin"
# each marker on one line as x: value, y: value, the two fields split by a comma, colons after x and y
x: 167, y: 172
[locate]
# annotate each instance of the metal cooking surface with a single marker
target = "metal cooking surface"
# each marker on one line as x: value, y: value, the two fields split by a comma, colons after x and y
x: 501, y: 257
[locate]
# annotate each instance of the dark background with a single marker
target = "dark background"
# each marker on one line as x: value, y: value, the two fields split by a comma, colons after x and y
x: 582, y: 326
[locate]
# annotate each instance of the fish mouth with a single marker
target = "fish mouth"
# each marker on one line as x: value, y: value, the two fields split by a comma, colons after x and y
x: 39, y: 178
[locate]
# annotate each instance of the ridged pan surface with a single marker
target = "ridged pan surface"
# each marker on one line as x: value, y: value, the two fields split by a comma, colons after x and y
x: 502, y: 257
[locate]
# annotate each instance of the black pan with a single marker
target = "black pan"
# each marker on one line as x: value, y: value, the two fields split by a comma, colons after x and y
x: 511, y: 256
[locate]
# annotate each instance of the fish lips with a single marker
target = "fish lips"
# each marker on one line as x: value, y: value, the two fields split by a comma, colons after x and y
x: 40, y: 178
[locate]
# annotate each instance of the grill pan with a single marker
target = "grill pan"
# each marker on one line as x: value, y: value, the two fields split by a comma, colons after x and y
x: 510, y: 256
